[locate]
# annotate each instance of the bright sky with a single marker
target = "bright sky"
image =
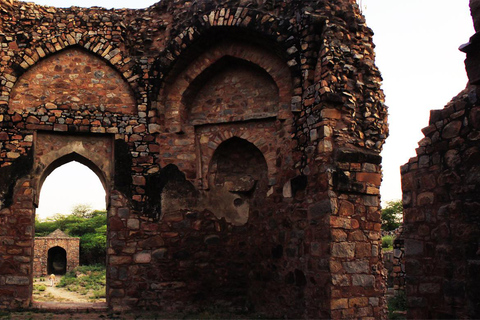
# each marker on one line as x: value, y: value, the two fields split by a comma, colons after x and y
x: 416, y: 51
x: 67, y: 186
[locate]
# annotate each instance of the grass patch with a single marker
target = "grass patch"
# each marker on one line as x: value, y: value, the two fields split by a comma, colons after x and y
x: 387, y: 243
x: 86, y: 280
x: 39, y: 287
x: 396, y: 306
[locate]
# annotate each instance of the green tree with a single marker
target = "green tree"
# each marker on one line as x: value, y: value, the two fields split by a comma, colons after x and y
x: 82, y: 210
x: 392, y: 215
x: 90, y: 226
x: 43, y: 228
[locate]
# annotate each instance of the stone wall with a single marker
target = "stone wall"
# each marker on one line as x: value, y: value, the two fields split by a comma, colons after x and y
x: 398, y: 265
x: 440, y: 193
x: 238, y: 143
x: 42, y: 246
x: 441, y: 188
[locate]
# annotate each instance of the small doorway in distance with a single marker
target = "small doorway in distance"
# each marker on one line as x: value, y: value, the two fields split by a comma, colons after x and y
x: 57, y: 261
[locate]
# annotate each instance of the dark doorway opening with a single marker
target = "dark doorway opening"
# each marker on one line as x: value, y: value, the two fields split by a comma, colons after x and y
x: 57, y: 261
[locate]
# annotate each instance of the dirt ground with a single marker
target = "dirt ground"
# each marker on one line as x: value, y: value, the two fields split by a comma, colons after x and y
x: 139, y: 315
x: 61, y: 298
x: 56, y: 294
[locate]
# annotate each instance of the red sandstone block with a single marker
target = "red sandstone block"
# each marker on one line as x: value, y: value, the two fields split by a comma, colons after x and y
x: 346, y: 208
x: 355, y: 224
x: 139, y: 129
x: 373, y: 178
x: 425, y: 198
x: 363, y: 250
x: 340, y: 222
x: 339, y: 304
x: 16, y: 117
x: 137, y: 197
x: 118, y: 260
x: 60, y: 127
x: 331, y: 113
x: 358, y: 302
x: 169, y: 234
x: 336, y: 267
x: 173, y: 217
x: 39, y: 127
x: 139, y: 180
x: 339, y: 235
x: 33, y: 119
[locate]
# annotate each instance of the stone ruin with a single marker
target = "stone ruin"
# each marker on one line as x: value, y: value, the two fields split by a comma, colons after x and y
x: 441, y: 192
x: 238, y: 142
x: 56, y: 253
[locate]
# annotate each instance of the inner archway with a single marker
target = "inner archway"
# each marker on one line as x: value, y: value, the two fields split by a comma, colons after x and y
x: 71, y: 232
x: 67, y: 186
x: 57, y: 261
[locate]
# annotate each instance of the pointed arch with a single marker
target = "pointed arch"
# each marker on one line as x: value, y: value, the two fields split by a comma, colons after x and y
x: 234, y: 160
x: 67, y: 159
x: 94, y: 44
x: 72, y: 78
x: 54, y: 150
x: 261, y: 137
x: 173, y: 95
x: 246, y: 19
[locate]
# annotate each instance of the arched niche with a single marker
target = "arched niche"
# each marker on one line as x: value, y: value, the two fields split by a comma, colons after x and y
x: 232, y: 89
x: 73, y: 79
x: 239, y: 166
x: 219, y: 65
x: 261, y: 134
x: 57, y: 260
x: 238, y: 180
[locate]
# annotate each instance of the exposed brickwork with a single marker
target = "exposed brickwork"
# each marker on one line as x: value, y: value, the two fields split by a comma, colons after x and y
x: 43, y: 245
x: 440, y: 193
x: 398, y: 265
x: 286, y: 89
x: 441, y: 188
x: 78, y: 78
x: 238, y: 92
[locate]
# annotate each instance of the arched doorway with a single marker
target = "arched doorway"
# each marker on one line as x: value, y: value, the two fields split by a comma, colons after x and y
x: 57, y: 261
x: 70, y: 173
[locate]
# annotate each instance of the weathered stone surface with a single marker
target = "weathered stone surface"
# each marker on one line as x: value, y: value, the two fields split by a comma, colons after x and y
x: 45, y: 246
x: 361, y: 266
x: 440, y: 186
x: 194, y: 115
x: 117, y: 260
x: 142, y: 257
x: 17, y: 280
x: 451, y: 130
x: 363, y: 280
x: 343, y: 250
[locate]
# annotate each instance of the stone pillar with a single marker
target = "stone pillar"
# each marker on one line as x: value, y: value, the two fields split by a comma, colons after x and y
x: 16, y: 240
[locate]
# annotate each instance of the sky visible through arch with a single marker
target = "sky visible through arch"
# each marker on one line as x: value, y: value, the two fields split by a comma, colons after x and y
x: 417, y: 53
x: 67, y: 186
